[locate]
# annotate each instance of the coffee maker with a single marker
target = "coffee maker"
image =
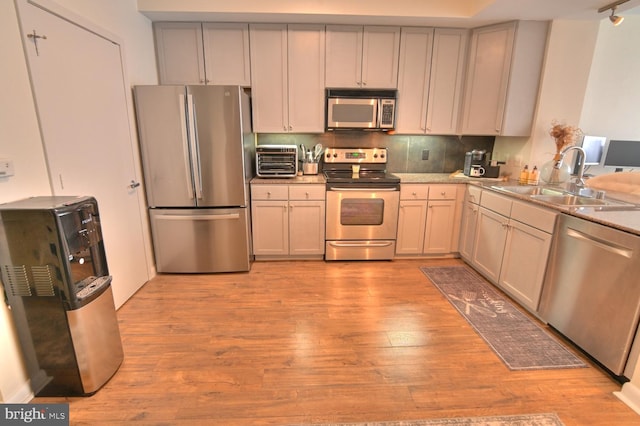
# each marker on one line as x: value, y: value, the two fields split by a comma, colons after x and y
x: 480, y: 157
x: 472, y: 158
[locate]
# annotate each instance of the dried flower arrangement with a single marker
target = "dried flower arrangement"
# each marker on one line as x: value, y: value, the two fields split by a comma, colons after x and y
x: 564, y: 136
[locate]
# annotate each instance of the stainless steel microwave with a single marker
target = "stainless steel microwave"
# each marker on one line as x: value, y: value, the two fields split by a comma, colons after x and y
x: 361, y: 109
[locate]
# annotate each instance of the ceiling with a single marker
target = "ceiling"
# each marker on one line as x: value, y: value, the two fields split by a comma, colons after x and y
x: 443, y: 13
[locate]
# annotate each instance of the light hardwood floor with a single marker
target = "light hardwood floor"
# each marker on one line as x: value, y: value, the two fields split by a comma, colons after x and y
x: 312, y: 342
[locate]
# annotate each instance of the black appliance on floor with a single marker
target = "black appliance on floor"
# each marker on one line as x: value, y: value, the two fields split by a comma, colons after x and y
x: 57, y: 285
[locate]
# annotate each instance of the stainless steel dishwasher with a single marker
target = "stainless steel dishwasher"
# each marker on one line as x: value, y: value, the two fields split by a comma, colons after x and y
x: 591, y: 292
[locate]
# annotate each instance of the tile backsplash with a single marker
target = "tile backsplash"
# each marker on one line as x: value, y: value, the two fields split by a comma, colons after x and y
x: 444, y: 154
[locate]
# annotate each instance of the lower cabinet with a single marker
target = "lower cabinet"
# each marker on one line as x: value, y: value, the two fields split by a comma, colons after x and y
x: 511, y: 245
x: 288, y: 220
x: 427, y: 219
x: 470, y: 210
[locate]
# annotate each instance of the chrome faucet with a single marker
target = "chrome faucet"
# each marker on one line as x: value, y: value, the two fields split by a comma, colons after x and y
x: 580, y: 177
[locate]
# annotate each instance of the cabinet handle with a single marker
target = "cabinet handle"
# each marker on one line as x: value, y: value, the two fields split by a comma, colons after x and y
x: 444, y: 194
x: 290, y: 128
x: 414, y: 194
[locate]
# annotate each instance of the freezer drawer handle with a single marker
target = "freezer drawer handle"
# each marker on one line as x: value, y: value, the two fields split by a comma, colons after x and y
x: 200, y: 217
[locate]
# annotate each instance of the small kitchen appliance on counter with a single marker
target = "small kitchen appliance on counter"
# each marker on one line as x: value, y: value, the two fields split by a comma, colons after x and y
x: 477, y: 164
x: 274, y: 161
x: 362, y: 204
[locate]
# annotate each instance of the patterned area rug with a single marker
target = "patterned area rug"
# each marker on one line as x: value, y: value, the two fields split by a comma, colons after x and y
x: 518, y: 341
x: 547, y: 419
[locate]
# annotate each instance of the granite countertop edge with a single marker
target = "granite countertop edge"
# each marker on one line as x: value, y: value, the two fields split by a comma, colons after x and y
x: 627, y: 221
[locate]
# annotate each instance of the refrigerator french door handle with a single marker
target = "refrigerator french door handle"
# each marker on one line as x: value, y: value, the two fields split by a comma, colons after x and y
x: 185, y: 144
x: 193, y: 145
x: 198, y: 165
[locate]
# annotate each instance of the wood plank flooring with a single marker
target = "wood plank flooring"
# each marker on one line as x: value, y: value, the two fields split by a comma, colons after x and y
x: 312, y: 342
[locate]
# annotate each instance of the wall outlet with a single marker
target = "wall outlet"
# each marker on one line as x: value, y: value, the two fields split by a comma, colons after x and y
x: 425, y: 154
x: 6, y: 168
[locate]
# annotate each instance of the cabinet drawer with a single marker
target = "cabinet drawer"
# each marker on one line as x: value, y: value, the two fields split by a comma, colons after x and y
x: 269, y: 192
x: 306, y: 192
x: 497, y: 203
x: 414, y: 192
x: 473, y: 194
x: 443, y: 192
x: 534, y: 216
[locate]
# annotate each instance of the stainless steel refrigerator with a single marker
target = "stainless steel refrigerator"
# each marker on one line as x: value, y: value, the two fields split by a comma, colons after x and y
x: 197, y: 152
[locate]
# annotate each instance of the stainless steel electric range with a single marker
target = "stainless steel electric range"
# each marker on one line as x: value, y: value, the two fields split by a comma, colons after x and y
x: 362, y: 204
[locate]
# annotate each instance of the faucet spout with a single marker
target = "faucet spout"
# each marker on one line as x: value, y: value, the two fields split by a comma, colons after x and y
x: 583, y: 157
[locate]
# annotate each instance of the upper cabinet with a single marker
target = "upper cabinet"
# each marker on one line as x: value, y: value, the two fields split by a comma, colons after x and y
x: 430, y: 80
x: 505, y: 64
x: 209, y: 53
x: 287, y: 73
x: 362, y: 57
x: 179, y: 52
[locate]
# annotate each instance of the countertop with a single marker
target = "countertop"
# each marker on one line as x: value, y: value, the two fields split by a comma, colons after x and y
x: 628, y: 221
x: 624, y: 220
x: 319, y: 178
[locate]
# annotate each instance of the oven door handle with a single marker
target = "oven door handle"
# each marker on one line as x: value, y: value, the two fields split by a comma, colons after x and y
x: 360, y: 244
x: 370, y: 189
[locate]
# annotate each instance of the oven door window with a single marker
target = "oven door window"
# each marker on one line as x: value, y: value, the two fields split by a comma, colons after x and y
x: 359, y: 211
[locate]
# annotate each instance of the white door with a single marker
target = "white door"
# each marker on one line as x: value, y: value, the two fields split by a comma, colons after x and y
x: 80, y: 94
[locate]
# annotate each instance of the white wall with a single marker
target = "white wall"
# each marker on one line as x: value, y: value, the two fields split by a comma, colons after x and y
x: 612, y: 99
x: 20, y: 137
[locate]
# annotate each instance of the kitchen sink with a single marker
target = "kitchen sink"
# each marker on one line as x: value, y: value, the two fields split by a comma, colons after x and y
x: 566, y: 198
x: 576, y: 201
x: 529, y: 190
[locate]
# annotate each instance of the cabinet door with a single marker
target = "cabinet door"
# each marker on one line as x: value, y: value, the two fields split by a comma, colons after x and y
x: 487, y: 79
x: 270, y: 227
x: 411, y: 224
x: 226, y: 49
x: 468, y: 230
x: 306, y: 227
x: 524, y: 263
x: 344, y: 56
x: 306, y: 56
x: 180, y: 52
x: 269, y: 77
x: 380, y: 53
x: 439, y: 227
x: 413, y: 80
x: 488, y: 247
x: 445, y: 84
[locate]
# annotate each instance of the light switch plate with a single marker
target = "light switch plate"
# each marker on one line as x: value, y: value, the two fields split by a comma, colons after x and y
x: 6, y: 168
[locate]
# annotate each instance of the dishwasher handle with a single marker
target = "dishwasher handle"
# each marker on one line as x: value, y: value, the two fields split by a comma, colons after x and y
x: 605, y: 245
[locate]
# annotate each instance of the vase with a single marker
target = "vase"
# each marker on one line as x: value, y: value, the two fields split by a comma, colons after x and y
x: 555, y: 172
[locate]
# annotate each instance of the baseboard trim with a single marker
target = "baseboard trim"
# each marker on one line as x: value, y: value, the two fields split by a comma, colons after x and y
x: 22, y: 396
x: 630, y: 395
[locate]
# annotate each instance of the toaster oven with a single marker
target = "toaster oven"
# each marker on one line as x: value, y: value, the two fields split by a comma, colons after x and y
x: 276, y: 160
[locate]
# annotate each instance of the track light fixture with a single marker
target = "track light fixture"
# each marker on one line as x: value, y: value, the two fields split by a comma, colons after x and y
x: 615, y: 19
